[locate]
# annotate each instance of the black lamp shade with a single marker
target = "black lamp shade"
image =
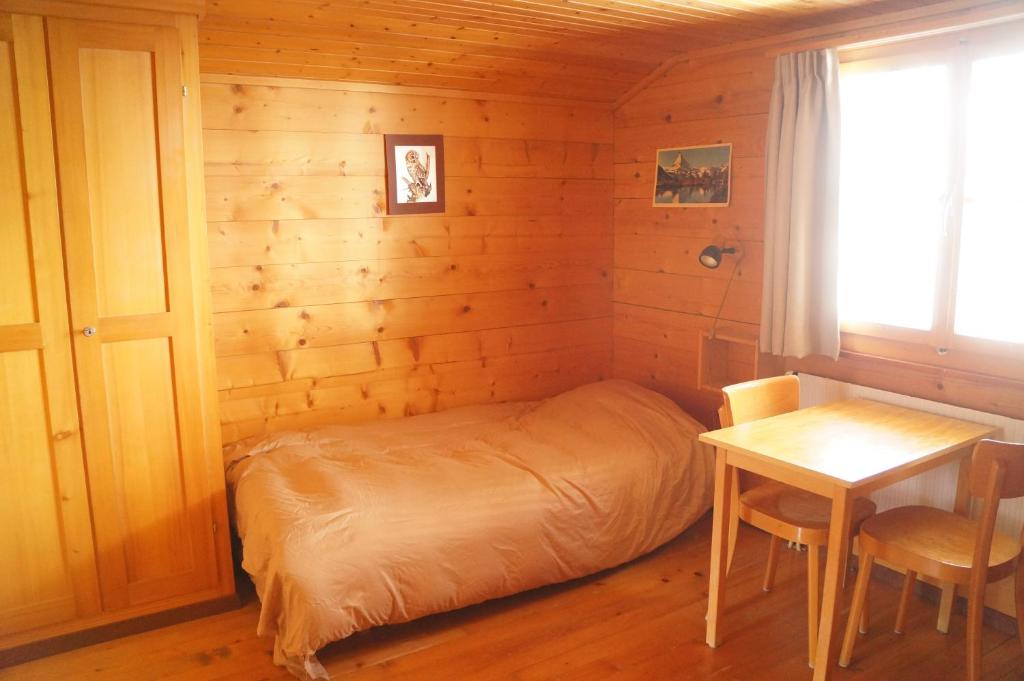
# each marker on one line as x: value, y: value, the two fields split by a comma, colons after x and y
x: 711, y: 256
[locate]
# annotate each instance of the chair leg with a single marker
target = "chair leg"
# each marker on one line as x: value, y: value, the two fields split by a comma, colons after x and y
x: 849, y: 552
x: 734, y: 522
x: 860, y: 596
x: 946, y: 607
x: 865, y: 612
x: 1019, y: 597
x: 975, y: 610
x: 901, y: 610
x: 773, y: 563
x: 813, y: 602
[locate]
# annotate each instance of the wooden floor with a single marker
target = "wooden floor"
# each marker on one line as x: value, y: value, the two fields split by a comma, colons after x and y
x: 644, y: 621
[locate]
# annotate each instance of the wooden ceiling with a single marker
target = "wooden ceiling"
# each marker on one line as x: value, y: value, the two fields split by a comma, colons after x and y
x: 576, y: 49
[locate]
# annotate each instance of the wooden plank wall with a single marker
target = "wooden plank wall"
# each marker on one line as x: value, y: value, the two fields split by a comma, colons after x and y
x: 327, y: 310
x: 663, y: 298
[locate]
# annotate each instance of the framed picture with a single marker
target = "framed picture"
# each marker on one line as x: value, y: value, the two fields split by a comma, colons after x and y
x: 693, y: 176
x: 415, y: 173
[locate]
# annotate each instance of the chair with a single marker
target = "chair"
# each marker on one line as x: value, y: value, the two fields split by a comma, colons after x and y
x: 949, y: 547
x: 783, y: 511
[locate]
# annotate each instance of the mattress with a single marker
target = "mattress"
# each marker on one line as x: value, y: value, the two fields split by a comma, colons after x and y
x: 350, y: 527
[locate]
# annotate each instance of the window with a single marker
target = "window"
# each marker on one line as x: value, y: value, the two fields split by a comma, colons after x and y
x: 990, y: 275
x: 931, y: 259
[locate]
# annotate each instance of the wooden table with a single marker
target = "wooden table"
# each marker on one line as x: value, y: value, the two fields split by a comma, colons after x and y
x: 841, y: 450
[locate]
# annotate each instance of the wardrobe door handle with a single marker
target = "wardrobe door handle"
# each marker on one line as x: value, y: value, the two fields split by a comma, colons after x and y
x: 89, y: 331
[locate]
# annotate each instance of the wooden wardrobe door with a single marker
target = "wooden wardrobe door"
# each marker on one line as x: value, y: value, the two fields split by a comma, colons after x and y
x: 46, y: 558
x: 117, y: 94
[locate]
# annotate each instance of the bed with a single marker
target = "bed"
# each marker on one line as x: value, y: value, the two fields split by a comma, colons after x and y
x: 350, y: 527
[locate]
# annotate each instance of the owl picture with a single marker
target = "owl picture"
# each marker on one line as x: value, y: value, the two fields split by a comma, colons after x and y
x: 416, y: 173
x: 414, y: 170
x: 417, y: 177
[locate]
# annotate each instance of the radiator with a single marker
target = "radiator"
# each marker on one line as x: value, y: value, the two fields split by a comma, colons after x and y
x: 936, y: 487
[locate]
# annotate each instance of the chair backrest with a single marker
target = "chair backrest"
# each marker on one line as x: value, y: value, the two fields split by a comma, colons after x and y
x: 997, y: 472
x: 755, y: 400
x: 759, y: 399
x: 1007, y: 456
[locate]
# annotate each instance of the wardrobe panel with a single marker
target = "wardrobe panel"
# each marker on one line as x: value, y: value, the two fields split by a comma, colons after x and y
x: 31, y: 531
x: 17, y: 304
x: 147, y: 454
x: 123, y: 180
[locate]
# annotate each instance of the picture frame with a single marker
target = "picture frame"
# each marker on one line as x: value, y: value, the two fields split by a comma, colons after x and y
x: 693, y: 177
x: 415, y: 174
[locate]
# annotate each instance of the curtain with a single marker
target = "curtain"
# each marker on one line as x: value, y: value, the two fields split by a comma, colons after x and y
x: 799, y: 314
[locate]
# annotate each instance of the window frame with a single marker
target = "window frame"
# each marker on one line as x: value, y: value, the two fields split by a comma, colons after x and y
x: 940, y: 346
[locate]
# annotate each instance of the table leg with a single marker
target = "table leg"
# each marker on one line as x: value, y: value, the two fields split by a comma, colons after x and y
x: 719, y: 545
x: 961, y: 506
x: 831, y: 601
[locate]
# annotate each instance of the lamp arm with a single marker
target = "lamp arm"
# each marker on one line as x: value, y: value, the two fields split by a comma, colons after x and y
x: 728, y: 284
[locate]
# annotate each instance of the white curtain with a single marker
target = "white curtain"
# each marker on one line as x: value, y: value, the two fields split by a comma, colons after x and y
x: 799, y: 315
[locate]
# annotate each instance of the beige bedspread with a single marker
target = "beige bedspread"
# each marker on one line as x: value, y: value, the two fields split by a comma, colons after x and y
x: 349, y: 527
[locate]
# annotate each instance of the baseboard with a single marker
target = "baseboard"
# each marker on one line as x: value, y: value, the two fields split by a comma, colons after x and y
x: 106, y: 632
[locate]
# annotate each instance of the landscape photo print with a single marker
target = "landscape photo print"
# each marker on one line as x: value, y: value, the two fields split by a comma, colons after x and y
x: 693, y: 176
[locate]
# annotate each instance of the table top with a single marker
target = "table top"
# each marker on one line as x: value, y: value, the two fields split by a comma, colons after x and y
x: 852, y: 442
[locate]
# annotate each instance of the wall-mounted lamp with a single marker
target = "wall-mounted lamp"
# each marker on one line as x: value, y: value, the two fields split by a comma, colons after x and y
x: 711, y: 256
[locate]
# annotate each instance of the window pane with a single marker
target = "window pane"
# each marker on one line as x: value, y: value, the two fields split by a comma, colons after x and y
x: 894, y: 179
x: 990, y: 280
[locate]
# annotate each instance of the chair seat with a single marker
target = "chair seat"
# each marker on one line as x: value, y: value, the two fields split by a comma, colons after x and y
x: 934, y: 542
x: 795, y: 514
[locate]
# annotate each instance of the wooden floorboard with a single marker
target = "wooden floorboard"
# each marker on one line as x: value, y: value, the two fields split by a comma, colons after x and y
x: 640, y: 622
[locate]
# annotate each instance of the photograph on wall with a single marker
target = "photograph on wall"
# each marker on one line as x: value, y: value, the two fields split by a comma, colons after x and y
x: 693, y: 176
x: 415, y: 173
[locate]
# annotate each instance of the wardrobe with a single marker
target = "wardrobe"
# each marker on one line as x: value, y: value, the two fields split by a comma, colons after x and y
x: 111, y: 489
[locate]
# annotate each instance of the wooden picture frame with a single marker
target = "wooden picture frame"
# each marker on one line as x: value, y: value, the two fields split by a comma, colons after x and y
x: 415, y: 174
x: 693, y: 177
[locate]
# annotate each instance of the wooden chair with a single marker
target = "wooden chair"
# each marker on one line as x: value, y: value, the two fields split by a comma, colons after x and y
x: 949, y: 547
x: 783, y: 511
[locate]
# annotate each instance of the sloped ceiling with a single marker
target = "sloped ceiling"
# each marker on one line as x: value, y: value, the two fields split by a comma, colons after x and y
x: 576, y: 49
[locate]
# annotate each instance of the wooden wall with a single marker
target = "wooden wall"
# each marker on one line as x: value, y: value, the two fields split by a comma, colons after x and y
x: 663, y: 298
x: 325, y: 309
